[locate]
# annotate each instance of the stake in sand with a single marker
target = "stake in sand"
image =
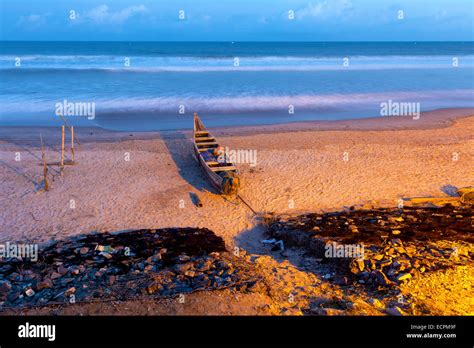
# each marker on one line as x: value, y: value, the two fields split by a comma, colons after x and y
x: 62, y: 150
x: 45, y: 166
x: 72, y: 143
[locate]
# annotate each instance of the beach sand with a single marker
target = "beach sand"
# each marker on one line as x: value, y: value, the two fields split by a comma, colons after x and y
x: 125, y: 181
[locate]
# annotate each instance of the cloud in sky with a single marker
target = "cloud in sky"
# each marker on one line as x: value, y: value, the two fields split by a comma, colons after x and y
x: 33, y: 21
x: 324, y: 9
x: 236, y: 20
x: 102, y: 14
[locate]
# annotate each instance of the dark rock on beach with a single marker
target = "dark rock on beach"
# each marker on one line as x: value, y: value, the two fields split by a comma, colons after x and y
x: 118, y: 266
x: 398, y: 244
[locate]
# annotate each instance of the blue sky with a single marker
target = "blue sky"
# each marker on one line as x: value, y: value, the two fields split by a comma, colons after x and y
x: 238, y: 20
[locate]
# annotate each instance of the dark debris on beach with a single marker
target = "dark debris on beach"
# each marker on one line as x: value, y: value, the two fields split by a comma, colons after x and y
x: 120, y: 266
x: 399, y: 244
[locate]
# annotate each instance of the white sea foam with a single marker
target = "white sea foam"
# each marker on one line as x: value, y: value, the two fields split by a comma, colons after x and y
x: 234, y: 104
x: 246, y: 63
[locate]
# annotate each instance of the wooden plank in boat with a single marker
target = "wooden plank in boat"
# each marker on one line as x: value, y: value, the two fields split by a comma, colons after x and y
x: 221, y: 169
x: 206, y: 144
x: 205, y: 138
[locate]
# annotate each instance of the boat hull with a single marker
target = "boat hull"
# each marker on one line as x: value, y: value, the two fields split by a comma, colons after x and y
x: 216, y: 176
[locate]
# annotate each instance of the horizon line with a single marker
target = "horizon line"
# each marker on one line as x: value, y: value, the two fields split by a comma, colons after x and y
x: 246, y: 41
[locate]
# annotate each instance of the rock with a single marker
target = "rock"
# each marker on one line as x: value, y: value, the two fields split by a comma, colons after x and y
x: 385, y: 263
x: 184, y: 267
x: 380, y: 278
x: 5, y: 286
x: 333, y: 311
x: 376, y: 303
x: 360, y: 264
x: 111, y: 280
x: 44, y: 284
x: 28, y: 275
x: 341, y: 280
x: 62, y: 270
x: 15, y: 277
x: 403, y: 276
x: 70, y: 291
x: 390, y: 251
x: 257, y: 287
x: 395, y: 311
x: 357, y: 266
x: 353, y: 228
x: 184, y: 258
x: 189, y: 273
x: 106, y: 255
x: 291, y: 311
x: 154, y: 287
x: 206, y: 266
x: 29, y: 292
x: 397, y: 242
x: 67, y: 280
x: 13, y: 295
x: 84, y: 250
x: 55, y: 275
x: 395, y: 219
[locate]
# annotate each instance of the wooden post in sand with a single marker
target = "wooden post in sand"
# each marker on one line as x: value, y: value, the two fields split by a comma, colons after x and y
x: 62, y: 149
x: 72, y: 143
x: 45, y: 166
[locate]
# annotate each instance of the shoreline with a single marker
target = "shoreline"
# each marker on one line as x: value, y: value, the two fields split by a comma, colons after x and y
x: 435, y: 119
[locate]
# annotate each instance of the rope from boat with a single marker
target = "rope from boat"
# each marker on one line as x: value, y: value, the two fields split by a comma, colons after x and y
x: 248, y: 205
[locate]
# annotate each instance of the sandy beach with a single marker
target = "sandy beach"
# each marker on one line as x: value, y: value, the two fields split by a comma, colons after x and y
x: 124, y: 181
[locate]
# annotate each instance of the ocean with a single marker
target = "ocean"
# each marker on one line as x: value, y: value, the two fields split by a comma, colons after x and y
x: 141, y: 86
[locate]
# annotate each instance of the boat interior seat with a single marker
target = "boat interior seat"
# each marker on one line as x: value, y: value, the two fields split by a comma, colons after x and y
x: 223, y: 168
x: 208, y: 144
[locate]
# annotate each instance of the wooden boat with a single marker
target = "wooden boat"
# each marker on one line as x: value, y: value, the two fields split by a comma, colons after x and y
x: 222, y: 174
x: 465, y: 196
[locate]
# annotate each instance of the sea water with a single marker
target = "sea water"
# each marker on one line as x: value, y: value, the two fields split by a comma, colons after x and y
x: 158, y: 85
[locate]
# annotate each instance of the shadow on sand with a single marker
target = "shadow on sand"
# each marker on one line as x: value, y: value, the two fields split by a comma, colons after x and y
x: 181, y: 148
x: 450, y: 190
